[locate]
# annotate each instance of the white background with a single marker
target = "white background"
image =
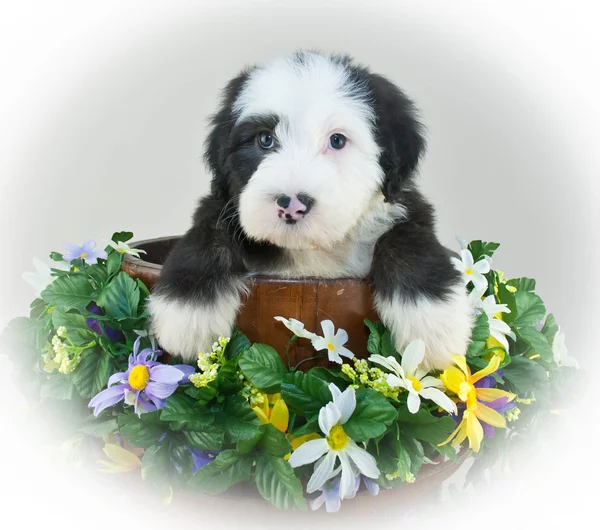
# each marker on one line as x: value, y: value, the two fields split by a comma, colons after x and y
x: 103, y: 107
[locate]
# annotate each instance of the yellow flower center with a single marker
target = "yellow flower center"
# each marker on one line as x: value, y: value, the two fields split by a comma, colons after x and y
x: 469, y: 271
x: 83, y: 255
x: 464, y: 390
x: 139, y: 377
x: 330, y: 347
x: 338, y: 439
x: 415, y: 383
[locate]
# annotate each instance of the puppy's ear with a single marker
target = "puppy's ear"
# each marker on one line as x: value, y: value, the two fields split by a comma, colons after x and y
x: 399, y: 134
x: 217, y: 145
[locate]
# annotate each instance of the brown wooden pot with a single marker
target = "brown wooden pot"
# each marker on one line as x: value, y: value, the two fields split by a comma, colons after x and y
x: 346, y: 302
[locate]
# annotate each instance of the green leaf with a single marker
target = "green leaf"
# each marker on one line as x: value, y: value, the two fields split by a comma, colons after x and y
x: 423, y: 426
x: 70, y: 291
x: 525, y: 375
x: 330, y: 376
x: 113, y: 263
x: 210, y: 438
x: 217, y: 477
x: 537, y: 341
x: 141, y: 431
x: 155, y: 464
x: 550, y: 328
x: 263, y: 367
x: 122, y: 236
x: 479, y: 335
x: 56, y: 256
x: 201, y: 395
x: 274, y: 442
x: 530, y: 309
x: 522, y: 284
x: 77, y: 330
x: 227, y: 380
x: 238, y: 343
x: 182, y: 408
x: 100, y: 429
x: 121, y: 297
x: 374, y: 343
x: 388, y: 348
x: 92, y: 373
x: 57, y: 387
x: 508, y: 298
x: 371, y: 417
x: 305, y: 394
x: 277, y: 483
x: 239, y: 420
x: 480, y: 248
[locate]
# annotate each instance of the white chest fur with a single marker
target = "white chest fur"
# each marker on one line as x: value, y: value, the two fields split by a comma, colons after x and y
x: 351, y: 257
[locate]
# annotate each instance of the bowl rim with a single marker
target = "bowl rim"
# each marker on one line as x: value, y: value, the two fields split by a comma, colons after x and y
x: 263, y: 278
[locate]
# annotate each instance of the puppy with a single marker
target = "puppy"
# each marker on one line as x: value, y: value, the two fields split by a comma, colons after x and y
x: 313, y: 160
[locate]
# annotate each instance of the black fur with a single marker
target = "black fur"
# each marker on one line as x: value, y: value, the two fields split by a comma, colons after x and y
x: 214, y: 255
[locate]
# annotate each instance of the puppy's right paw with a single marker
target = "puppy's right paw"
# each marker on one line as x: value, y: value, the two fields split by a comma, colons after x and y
x: 186, y: 328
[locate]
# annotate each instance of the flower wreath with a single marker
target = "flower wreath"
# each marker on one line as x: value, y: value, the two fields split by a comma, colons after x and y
x: 241, y: 415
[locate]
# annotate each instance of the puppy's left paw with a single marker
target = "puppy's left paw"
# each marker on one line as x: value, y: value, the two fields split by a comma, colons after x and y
x: 186, y: 328
x: 444, y: 326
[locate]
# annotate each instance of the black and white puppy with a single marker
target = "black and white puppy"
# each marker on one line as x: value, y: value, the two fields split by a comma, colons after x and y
x: 313, y: 159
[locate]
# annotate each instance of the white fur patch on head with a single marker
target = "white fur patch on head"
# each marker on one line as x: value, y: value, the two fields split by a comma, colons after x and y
x: 312, y: 97
x: 187, y: 328
x: 444, y: 326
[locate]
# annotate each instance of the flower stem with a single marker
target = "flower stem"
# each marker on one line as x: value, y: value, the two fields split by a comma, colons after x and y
x: 287, y: 351
x: 320, y: 355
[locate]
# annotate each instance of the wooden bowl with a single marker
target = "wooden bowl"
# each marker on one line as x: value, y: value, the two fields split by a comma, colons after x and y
x: 346, y: 302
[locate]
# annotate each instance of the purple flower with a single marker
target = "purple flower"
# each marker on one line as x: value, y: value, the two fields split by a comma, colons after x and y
x: 330, y: 495
x: 201, y: 458
x: 111, y: 334
x: 500, y: 405
x: 146, y: 384
x: 87, y: 252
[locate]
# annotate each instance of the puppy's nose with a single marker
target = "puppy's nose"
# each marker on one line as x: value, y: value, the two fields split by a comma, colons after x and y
x: 295, y: 207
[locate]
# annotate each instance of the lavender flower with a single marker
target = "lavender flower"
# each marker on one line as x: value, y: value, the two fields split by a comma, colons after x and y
x: 500, y: 405
x: 146, y: 384
x: 330, y: 495
x: 201, y: 458
x: 111, y: 334
x: 87, y: 252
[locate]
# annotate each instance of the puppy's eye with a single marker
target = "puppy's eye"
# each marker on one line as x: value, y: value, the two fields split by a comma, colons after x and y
x: 337, y: 141
x: 265, y: 139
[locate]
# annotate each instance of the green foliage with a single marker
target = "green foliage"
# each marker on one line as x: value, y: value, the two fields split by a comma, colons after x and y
x: 305, y: 394
x: 93, y: 372
x: 277, y: 483
x: 219, y: 419
x: 121, y: 297
x: 371, y: 417
x: 482, y: 248
x: 263, y: 367
x: 69, y: 292
x: 479, y: 335
x: 229, y: 468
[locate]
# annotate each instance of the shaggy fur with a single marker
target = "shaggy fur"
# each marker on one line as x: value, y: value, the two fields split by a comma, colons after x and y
x: 313, y: 159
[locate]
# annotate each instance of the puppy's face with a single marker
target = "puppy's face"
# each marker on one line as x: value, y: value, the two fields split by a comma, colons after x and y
x: 304, y: 152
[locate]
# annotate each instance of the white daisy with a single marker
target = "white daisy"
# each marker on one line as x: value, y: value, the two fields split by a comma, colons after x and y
x: 42, y: 278
x: 498, y: 328
x: 332, y: 342
x: 296, y: 327
x: 123, y: 248
x: 473, y: 272
x: 336, y: 445
x: 415, y: 380
x: 561, y: 357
